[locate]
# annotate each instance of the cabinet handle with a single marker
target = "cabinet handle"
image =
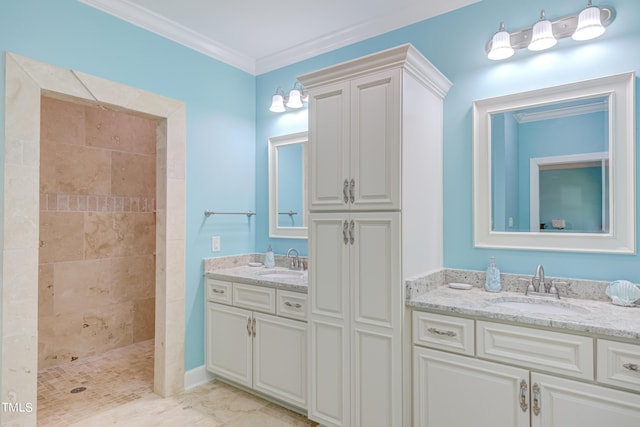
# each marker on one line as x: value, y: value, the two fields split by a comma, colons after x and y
x: 441, y: 332
x: 536, y: 399
x: 253, y: 326
x: 631, y: 366
x: 352, y: 186
x: 345, y: 191
x: 352, y: 227
x: 296, y: 305
x: 249, y: 326
x: 345, y: 231
x: 523, y: 396
x: 218, y: 291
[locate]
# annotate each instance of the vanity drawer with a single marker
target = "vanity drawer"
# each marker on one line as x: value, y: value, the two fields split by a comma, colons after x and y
x: 254, y: 297
x: 549, y: 351
x: 443, y: 332
x: 292, y: 305
x: 219, y: 291
x: 618, y: 364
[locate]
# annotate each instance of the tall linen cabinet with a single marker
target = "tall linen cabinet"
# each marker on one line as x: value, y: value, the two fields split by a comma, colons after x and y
x: 375, y: 219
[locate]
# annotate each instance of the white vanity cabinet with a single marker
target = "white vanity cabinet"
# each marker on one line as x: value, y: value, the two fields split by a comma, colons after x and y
x: 355, y: 144
x: 248, y: 344
x: 457, y: 391
x: 512, y: 378
x: 375, y: 156
x: 559, y: 402
x: 356, y: 348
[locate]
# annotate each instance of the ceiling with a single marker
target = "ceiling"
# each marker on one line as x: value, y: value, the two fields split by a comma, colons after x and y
x: 258, y: 36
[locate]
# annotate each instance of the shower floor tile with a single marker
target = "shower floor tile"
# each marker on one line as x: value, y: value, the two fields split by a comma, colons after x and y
x: 119, y: 392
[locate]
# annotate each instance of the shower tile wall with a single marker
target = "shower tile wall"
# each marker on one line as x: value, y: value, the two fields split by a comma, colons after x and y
x: 97, y: 231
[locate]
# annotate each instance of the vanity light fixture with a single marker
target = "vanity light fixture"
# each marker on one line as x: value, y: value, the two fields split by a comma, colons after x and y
x: 501, y: 45
x: 542, y: 35
x: 589, y: 25
x: 294, y: 99
x: 585, y: 25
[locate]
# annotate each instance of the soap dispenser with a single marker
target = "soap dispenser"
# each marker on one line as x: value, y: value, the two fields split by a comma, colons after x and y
x: 492, y: 282
x: 269, y: 258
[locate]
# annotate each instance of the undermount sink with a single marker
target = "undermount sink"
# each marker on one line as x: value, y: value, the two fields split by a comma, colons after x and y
x: 280, y: 274
x: 538, y: 306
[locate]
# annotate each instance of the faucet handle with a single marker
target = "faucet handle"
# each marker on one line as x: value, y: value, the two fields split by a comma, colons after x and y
x: 528, y: 281
x: 554, y: 290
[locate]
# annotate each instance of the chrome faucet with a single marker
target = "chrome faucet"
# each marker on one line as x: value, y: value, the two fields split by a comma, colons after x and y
x: 538, y: 286
x: 294, y: 260
x: 539, y: 278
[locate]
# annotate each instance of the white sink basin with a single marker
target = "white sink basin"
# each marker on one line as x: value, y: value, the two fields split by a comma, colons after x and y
x: 536, y: 306
x: 280, y: 274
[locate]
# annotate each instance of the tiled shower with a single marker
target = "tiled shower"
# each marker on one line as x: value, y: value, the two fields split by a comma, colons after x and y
x: 97, y: 231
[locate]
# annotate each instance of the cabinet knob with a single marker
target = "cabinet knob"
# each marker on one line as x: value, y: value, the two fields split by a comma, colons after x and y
x: 631, y: 366
x: 249, y: 326
x: 352, y: 227
x: 218, y: 291
x: 441, y: 332
x: 536, y: 399
x: 523, y: 396
x: 345, y: 191
x: 352, y: 186
x: 345, y: 232
x: 296, y: 305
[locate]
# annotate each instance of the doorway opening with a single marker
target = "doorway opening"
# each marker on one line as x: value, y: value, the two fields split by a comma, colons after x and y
x: 26, y: 81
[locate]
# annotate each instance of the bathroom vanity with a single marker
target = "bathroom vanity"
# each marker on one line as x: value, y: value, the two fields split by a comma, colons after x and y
x: 256, y: 331
x: 374, y: 195
x: 486, y: 359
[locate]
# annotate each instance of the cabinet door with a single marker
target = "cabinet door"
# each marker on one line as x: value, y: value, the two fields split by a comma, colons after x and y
x: 375, y: 141
x: 280, y: 358
x: 459, y: 391
x: 557, y: 402
x: 229, y: 343
x: 376, y: 325
x: 329, y: 391
x: 329, y: 147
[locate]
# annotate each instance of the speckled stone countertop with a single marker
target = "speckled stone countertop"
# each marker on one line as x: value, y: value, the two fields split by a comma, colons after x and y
x: 594, y: 316
x: 252, y: 276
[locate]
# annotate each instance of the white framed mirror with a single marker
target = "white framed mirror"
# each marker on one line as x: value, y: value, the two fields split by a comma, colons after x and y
x: 554, y: 168
x: 287, y: 195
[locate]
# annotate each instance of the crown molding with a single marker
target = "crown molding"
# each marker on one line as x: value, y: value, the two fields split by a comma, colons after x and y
x: 160, y: 25
x: 151, y: 21
x: 558, y: 113
x: 347, y: 36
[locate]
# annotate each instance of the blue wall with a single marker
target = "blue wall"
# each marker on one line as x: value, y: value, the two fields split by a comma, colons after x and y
x: 454, y: 43
x: 220, y: 102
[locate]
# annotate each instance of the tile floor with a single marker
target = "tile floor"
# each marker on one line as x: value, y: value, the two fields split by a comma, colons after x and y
x: 119, y: 392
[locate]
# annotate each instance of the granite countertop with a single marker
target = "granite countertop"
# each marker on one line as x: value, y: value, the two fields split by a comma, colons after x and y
x: 590, y: 316
x: 252, y: 276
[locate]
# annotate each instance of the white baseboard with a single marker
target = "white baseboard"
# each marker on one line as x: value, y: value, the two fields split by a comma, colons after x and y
x: 196, y: 376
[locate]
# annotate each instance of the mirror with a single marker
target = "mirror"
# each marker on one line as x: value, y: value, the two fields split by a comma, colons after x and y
x: 554, y: 168
x: 287, y: 198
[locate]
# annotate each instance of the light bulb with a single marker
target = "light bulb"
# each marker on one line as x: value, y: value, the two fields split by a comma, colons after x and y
x: 542, y: 35
x: 589, y: 24
x: 277, y: 104
x: 501, y: 45
x: 295, y: 100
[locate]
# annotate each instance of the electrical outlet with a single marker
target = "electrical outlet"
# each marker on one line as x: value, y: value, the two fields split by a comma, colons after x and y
x: 510, y: 222
x: 215, y: 244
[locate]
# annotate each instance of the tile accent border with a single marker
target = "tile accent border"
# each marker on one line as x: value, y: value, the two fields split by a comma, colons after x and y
x: 95, y: 203
x: 26, y: 80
